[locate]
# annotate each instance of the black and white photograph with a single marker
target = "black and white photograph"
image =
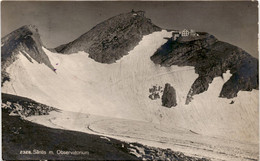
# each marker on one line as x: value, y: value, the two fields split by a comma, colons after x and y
x: 130, y: 80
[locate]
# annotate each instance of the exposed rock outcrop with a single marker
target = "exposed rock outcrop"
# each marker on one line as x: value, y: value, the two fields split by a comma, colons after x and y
x: 155, y: 92
x: 169, y: 96
x: 151, y: 153
x: 24, y: 107
x: 25, y: 40
x: 113, y: 38
x: 211, y: 58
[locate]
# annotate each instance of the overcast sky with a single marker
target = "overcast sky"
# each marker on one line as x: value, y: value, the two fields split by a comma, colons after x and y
x: 62, y: 22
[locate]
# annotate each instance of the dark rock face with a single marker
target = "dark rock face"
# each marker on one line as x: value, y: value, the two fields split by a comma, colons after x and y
x: 113, y: 38
x: 169, y: 96
x: 211, y: 58
x: 25, y: 39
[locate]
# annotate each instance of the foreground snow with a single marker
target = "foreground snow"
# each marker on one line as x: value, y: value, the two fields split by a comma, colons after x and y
x: 152, y: 134
x: 121, y: 90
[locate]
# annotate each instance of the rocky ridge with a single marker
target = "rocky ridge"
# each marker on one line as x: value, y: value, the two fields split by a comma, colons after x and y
x: 211, y: 58
x: 113, y: 38
x: 24, y: 107
x: 25, y: 40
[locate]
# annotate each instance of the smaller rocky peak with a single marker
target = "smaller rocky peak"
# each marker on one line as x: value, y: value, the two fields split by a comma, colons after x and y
x: 169, y: 96
x: 31, y: 28
x: 22, y: 33
x: 27, y: 30
x: 25, y: 40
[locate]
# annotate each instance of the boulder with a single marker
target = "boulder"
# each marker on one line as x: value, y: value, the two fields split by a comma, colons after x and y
x: 169, y: 96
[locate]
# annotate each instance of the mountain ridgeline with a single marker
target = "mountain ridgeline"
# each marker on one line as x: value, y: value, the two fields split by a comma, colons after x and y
x: 211, y: 58
x: 113, y: 38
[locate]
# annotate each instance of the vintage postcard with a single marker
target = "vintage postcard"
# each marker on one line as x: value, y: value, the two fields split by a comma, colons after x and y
x: 133, y: 80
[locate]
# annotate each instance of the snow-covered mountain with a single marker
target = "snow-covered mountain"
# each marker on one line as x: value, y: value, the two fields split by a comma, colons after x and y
x: 120, y: 68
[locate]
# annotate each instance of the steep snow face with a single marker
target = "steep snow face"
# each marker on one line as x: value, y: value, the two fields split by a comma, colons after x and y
x: 121, y: 90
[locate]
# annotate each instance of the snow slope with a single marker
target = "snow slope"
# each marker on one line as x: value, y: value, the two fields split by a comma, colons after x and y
x: 121, y: 90
x: 83, y: 85
x: 152, y: 134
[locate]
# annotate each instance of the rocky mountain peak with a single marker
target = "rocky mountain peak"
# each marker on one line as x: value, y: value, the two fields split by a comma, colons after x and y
x: 22, y: 33
x: 113, y: 38
x: 30, y: 27
x: 25, y: 40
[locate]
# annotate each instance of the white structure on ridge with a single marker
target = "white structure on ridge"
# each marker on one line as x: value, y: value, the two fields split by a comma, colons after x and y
x: 184, y: 33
